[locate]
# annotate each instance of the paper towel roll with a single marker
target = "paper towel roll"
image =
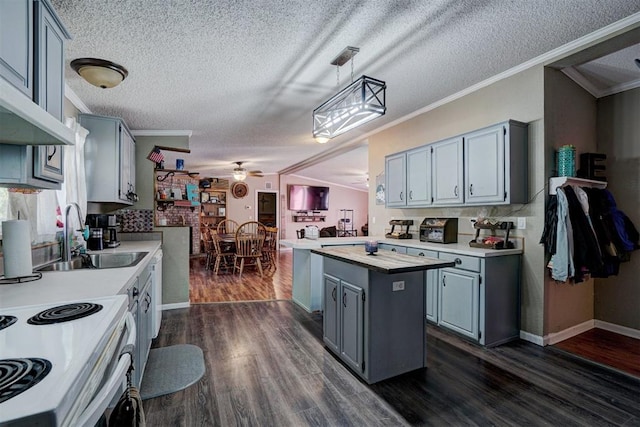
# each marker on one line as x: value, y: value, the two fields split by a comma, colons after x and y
x: 16, y: 248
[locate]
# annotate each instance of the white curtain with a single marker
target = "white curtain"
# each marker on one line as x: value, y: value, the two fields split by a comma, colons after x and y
x: 74, y: 188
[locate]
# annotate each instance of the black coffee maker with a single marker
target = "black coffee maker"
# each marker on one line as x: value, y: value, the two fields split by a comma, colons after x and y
x: 109, y: 225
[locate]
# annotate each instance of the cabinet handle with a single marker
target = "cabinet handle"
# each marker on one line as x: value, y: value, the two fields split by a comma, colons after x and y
x: 471, y: 189
x: 455, y: 191
x: 444, y: 281
x: 333, y: 294
x: 394, y: 250
x: 421, y: 254
x: 50, y: 156
x: 344, y: 299
x: 402, y: 195
x: 458, y: 261
x: 411, y: 195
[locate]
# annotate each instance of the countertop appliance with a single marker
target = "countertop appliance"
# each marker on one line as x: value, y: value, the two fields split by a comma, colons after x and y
x: 402, y: 234
x: 311, y: 232
x: 109, y: 225
x: 61, y: 363
x: 439, y: 230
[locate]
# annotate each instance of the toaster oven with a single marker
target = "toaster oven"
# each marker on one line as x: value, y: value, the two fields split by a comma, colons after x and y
x: 439, y: 230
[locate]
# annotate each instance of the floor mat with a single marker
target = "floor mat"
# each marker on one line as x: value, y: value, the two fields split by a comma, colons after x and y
x: 170, y: 369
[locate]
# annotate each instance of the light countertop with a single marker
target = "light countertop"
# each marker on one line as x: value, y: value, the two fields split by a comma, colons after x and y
x: 60, y: 286
x: 460, y: 248
x: 383, y: 261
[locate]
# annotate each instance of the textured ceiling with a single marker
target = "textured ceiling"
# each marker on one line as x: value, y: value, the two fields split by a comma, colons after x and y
x: 245, y: 76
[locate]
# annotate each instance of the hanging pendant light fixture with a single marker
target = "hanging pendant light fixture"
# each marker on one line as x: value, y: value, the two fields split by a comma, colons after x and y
x: 99, y: 72
x: 360, y: 102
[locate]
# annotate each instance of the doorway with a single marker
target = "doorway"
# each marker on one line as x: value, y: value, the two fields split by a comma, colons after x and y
x: 267, y: 207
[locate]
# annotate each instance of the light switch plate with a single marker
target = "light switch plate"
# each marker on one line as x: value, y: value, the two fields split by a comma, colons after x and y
x: 522, y: 223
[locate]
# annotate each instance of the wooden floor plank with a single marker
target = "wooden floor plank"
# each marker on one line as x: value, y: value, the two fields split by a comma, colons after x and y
x: 254, y: 381
x: 607, y: 348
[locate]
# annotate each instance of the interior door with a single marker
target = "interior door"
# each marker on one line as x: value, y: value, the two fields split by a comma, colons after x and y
x: 267, y: 207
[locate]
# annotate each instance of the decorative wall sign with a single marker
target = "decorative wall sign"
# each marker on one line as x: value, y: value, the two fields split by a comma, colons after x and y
x: 239, y: 190
x: 380, y: 189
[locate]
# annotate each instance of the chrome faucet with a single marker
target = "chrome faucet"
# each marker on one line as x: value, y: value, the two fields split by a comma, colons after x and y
x: 66, y: 246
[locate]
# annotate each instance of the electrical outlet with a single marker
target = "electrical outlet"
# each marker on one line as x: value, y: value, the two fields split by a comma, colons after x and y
x: 522, y: 223
x: 398, y: 286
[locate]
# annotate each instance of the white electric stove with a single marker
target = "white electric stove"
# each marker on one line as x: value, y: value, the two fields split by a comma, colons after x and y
x: 53, y: 363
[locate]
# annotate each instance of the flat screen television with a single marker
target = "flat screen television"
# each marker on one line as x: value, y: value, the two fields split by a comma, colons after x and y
x: 308, y: 198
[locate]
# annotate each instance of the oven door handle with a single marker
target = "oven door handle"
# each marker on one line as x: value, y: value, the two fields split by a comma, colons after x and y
x: 96, y: 408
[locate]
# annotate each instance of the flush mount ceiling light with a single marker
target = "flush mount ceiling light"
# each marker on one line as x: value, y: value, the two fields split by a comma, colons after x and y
x: 99, y: 72
x: 360, y: 102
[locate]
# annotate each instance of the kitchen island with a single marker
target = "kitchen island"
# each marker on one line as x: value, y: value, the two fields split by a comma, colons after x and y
x: 374, y: 312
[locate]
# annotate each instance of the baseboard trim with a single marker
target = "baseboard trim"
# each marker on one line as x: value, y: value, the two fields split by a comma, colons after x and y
x: 556, y: 337
x: 622, y: 330
x: 535, y: 339
x: 176, y: 305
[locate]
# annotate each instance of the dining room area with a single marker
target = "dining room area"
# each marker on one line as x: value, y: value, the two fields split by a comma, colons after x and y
x: 240, y: 262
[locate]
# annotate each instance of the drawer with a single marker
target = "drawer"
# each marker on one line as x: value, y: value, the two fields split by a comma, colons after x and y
x: 464, y: 262
x: 422, y: 252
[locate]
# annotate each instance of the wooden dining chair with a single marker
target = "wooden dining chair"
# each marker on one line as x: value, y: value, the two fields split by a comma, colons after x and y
x: 227, y: 226
x: 225, y: 253
x: 270, y: 247
x: 209, y: 247
x: 249, y: 240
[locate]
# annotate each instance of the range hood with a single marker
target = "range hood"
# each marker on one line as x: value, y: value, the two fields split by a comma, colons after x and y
x: 23, y: 122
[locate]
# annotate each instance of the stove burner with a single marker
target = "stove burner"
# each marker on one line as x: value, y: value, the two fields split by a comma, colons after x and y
x: 18, y: 375
x: 64, y: 313
x: 6, y: 321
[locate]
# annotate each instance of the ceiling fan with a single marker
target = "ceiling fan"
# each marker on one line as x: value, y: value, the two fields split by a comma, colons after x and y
x: 240, y: 173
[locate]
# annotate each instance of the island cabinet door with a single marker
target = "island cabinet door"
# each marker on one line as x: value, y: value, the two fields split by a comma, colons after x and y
x: 351, y: 310
x: 330, y: 315
x: 459, y: 301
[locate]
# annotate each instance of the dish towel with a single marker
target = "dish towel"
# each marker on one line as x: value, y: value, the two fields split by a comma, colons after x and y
x: 128, y: 411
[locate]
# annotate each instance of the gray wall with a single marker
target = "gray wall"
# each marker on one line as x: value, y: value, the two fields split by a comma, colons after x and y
x: 175, y: 240
x: 570, y: 118
x: 617, y: 299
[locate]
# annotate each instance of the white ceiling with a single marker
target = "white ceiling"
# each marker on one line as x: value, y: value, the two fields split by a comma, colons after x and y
x: 245, y: 76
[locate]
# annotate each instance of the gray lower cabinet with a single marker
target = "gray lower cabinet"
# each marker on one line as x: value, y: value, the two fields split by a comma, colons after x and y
x: 144, y: 329
x: 459, y: 301
x: 377, y: 331
x: 480, y: 297
x: 431, y: 284
x: 393, y: 248
x: 343, y: 320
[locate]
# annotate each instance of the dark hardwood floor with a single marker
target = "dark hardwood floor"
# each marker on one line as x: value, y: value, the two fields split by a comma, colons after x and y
x: 607, y: 348
x: 205, y: 286
x: 266, y: 365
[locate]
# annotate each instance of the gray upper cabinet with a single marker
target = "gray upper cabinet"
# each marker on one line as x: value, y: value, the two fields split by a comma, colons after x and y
x: 109, y: 154
x: 448, y: 172
x: 32, y: 43
x: 419, y: 177
x: 495, y: 160
x: 16, y: 44
x: 50, y: 38
x: 395, y: 180
x: 485, y: 167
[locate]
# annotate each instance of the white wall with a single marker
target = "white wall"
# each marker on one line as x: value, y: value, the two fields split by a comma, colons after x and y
x: 339, y: 198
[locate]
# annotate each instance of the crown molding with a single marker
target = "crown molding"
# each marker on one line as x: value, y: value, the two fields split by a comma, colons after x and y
x: 75, y: 100
x: 158, y: 132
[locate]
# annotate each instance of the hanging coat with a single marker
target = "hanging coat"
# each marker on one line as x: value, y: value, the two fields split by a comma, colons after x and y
x: 563, y: 268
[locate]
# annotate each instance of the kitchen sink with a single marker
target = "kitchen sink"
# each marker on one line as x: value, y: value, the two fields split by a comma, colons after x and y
x: 96, y: 261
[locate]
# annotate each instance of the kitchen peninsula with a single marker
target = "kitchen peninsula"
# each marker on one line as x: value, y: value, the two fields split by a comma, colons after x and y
x: 374, y: 309
x: 478, y: 298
